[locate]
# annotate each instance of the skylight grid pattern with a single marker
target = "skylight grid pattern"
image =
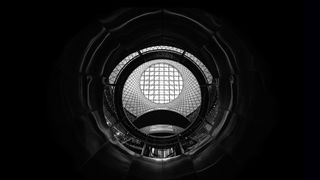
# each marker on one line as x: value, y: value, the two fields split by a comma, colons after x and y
x: 190, y: 56
x: 135, y: 102
x: 161, y: 83
x: 162, y: 48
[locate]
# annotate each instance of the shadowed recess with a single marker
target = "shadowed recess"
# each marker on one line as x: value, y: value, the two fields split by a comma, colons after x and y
x: 161, y: 117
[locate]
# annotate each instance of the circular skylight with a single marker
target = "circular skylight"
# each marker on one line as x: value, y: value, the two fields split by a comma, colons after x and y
x: 161, y: 83
x: 137, y: 93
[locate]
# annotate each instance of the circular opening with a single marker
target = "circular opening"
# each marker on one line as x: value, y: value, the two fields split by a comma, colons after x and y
x: 159, y: 122
x: 161, y: 83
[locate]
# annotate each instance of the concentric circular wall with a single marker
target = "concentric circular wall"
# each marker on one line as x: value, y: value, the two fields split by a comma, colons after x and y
x: 157, y: 93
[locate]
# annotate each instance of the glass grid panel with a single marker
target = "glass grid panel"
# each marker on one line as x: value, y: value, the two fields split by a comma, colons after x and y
x: 162, y: 48
x: 137, y: 104
x: 116, y: 71
x: 161, y: 83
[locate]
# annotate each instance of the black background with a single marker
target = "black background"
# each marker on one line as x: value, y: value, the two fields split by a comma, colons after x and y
x: 272, y: 29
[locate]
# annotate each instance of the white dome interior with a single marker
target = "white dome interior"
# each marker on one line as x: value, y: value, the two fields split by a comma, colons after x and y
x: 184, y: 101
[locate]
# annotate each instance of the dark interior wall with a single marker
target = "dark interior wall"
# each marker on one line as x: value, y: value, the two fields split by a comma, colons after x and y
x: 161, y: 117
x: 271, y: 29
